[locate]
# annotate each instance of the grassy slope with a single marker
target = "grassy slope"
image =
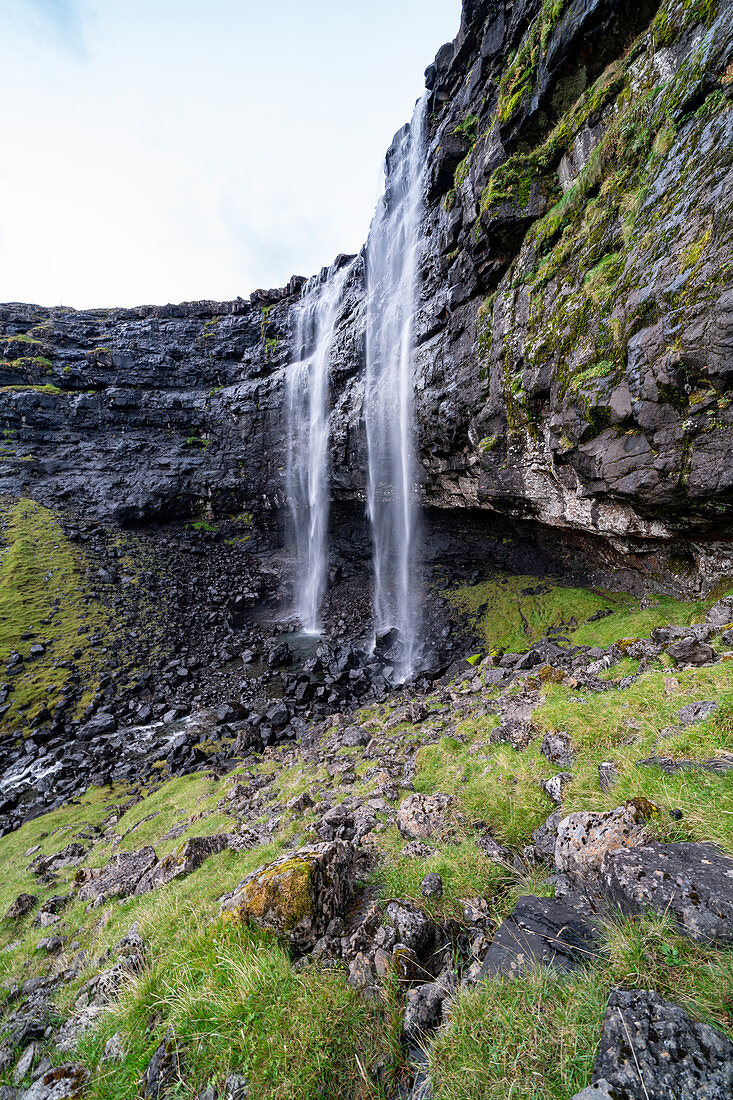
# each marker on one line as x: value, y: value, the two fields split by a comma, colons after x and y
x: 512, y: 612
x: 41, y: 577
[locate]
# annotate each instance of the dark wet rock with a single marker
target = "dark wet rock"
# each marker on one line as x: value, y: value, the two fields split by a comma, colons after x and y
x: 541, y: 930
x: 650, y: 1049
x: 691, y: 882
x: 100, y: 724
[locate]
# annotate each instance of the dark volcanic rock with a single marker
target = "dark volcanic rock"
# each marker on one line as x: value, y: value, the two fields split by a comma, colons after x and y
x: 541, y: 930
x: 691, y: 882
x: 651, y: 1050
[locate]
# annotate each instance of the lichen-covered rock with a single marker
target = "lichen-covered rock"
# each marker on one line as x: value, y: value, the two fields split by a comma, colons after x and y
x: 421, y: 816
x: 120, y: 877
x: 67, y: 1082
x: 190, y: 855
x: 23, y: 904
x: 297, y: 895
x: 693, y: 883
x: 650, y: 1049
x: 584, y: 838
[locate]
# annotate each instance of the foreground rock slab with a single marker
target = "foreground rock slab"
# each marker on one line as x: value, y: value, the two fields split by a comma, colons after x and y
x: 692, y: 882
x: 540, y: 930
x: 651, y: 1050
x: 299, y: 894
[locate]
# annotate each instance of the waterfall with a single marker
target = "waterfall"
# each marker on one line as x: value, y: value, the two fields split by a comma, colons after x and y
x: 392, y: 256
x: 307, y: 438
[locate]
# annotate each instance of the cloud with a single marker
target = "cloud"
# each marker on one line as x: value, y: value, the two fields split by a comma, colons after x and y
x: 61, y: 21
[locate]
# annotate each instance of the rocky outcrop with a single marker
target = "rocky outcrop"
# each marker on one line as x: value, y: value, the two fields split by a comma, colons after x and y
x: 299, y: 894
x: 574, y: 329
x: 650, y: 1049
x: 693, y: 883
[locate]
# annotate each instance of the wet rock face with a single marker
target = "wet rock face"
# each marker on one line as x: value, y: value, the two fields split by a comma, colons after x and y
x: 603, y: 408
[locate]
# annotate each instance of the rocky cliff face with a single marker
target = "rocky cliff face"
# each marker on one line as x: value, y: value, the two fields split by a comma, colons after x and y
x: 575, y: 325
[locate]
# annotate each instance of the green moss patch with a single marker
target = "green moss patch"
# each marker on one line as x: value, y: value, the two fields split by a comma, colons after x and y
x: 43, y: 592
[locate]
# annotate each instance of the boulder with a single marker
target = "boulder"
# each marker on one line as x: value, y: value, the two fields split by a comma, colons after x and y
x: 67, y: 1082
x: 337, y: 824
x: 120, y: 877
x: 355, y: 737
x: 697, y: 712
x: 190, y: 855
x: 544, y: 838
x: 650, y: 1049
x: 691, y: 651
x: 422, y: 816
x: 540, y: 930
x: 413, y: 928
x: 584, y: 838
x: 22, y: 905
x: 424, y: 1010
x: 721, y: 613
x: 164, y: 1070
x: 692, y: 882
x: 298, y: 894
x: 98, y: 726
x: 558, y: 748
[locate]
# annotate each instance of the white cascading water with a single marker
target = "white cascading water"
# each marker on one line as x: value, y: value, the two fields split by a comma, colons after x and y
x: 307, y: 398
x: 392, y: 261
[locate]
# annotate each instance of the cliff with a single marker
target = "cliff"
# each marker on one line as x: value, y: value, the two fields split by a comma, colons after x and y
x: 575, y: 323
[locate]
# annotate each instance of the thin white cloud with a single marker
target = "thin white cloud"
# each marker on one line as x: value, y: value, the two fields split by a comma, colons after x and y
x: 61, y: 21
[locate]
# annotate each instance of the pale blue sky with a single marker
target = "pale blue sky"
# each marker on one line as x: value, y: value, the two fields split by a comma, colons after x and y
x: 164, y: 150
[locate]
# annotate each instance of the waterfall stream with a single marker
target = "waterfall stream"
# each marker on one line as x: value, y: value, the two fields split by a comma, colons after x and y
x: 392, y: 256
x: 307, y: 404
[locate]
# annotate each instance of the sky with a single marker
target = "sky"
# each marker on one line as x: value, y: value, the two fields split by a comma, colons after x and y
x: 160, y: 151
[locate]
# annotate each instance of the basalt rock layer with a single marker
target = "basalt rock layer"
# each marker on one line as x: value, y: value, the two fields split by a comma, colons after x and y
x: 574, y: 327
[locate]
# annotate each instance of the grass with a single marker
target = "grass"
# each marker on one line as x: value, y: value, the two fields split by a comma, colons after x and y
x: 535, y: 1038
x: 42, y: 578
x: 236, y: 1003
x: 511, y: 612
